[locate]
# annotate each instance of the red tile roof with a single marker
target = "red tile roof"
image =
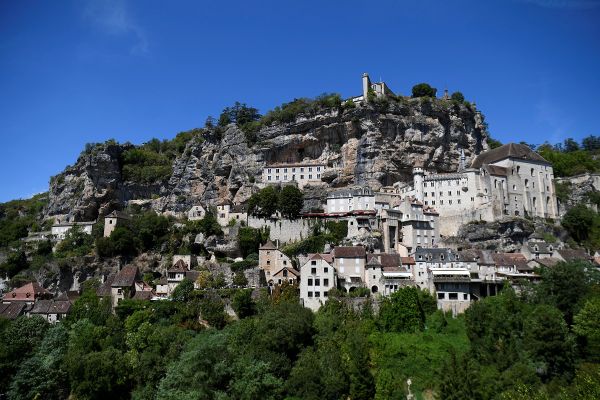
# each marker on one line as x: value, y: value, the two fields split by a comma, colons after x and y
x: 28, y: 293
x: 407, y: 260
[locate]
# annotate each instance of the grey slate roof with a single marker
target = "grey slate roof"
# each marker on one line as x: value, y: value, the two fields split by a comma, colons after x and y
x: 509, y: 150
x: 51, y: 307
x: 435, y: 255
x: 126, y: 277
x: 11, y: 310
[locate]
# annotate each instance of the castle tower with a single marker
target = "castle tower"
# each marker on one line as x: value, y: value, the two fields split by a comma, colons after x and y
x: 418, y: 179
x: 366, y: 84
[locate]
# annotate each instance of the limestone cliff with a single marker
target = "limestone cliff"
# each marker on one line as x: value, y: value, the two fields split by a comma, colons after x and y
x: 374, y: 144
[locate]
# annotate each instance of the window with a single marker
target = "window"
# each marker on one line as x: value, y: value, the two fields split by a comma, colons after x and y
x: 310, y: 294
x: 313, y: 270
x: 449, y: 193
x: 357, y: 269
x: 317, y: 294
x: 310, y: 282
x: 277, y: 171
x: 317, y: 282
x: 325, y: 269
x: 441, y: 296
x: 325, y: 282
x: 313, y: 262
x: 453, y: 296
x: 325, y: 294
x: 342, y: 270
x: 341, y: 260
x: 465, y: 296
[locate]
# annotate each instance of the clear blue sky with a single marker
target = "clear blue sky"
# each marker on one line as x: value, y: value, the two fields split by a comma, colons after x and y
x: 73, y: 72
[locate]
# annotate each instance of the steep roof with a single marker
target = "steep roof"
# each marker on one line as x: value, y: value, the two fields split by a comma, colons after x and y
x: 28, y: 292
x: 574, y: 255
x: 407, y: 260
x: 509, y: 150
x: 126, y: 277
x: 268, y: 246
x: 51, y: 307
x: 179, y: 266
x: 516, y: 259
x: 11, y: 310
x: 373, y: 261
x: 349, y: 252
x: 104, y: 289
x: 497, y: 170
x: 290, y: 269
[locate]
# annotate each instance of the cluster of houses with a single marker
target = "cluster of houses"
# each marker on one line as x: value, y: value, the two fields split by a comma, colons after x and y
x: 456, y: 278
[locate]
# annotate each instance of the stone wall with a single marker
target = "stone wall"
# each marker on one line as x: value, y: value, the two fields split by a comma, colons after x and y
x: 285, y: 230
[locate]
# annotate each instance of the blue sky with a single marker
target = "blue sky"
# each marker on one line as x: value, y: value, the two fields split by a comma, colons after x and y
x: 73, y: 72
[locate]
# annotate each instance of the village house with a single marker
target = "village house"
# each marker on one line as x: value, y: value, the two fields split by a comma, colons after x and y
x: 27, y: 294
x: 123, y: 284
x: 349, y: 262
x: 514, y: 267
x: 286, y: 274
x: 318, y: 277
x: 571, y: 255
x: 535, y: 247
x: 196, y: 213
x: 59, y: 230
x: 114, y: 219
x: 452, y: 288
x: 352, y: 199
x: 12, y: 310
x: 223, y: 210
x: 51, y: 310
x: 271, y: 261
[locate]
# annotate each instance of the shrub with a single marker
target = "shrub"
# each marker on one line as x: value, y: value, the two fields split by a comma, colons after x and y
x: 423, y: 90
x: 458, y: 97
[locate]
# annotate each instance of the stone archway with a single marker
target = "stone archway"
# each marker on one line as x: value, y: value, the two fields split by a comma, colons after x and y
x: 374, y: 289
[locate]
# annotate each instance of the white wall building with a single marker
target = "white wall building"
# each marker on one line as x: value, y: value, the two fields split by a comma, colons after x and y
x: 509, y: 180
x: 318, y: 277
x: 60, y: 230
x: 350, y: 200
x: 300, y: 173
x: 196, y: 213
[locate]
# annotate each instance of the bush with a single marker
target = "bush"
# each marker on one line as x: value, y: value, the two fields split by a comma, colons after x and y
x: 458, y: 97
x: 423, y: 90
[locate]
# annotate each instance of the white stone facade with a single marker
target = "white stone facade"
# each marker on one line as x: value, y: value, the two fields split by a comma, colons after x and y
x: 301, y: 173
x: 317, y: 279
x: 350, y: 200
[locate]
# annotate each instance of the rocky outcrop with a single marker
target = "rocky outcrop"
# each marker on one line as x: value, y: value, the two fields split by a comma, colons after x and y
x: 369, y: 144
x: 506, y: 235
x: 575, y: 190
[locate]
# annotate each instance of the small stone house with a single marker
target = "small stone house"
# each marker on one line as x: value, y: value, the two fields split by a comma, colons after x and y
x: 271, y: 260
x: 27, y: 294
x: 51, y: 310
x: 114, y: 219
x: 124, y: 284
x: 196, y: 213
x: 349, y: 262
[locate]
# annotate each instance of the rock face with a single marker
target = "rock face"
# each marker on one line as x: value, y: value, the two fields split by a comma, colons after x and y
x: 579, y: 190
x: 369, y: 144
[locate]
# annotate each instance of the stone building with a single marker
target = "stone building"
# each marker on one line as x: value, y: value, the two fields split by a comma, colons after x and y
x: 509, y: 180
x: 352, y: 199
x: 196, y: 213
x: 114, y: 219
x: 349, y: 262
x: 51, y: 310
x: 271, y: 260
x: 300, y: 173
x: 59, y: 230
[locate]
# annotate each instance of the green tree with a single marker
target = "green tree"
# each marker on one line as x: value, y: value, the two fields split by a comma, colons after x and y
x: 565, y: 286
x: 570, y: 145
x: 42, y: 375
x: 264, y: 203
x: 250, y: 239
x: 183, y: 290
x: 243, y: 304
x: 587, y: 326
x: 401, y: 312
x: 548, y: 341
x: 423, y: 90
x: 458, y: 97
x: 89, y: 306
x: 579, y: 221
x: 15, y: 263
x: 591, y: 143
x: 212, y: 310
x: 459, y: 379
x: 17, y: 342
x: 290, y: 202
